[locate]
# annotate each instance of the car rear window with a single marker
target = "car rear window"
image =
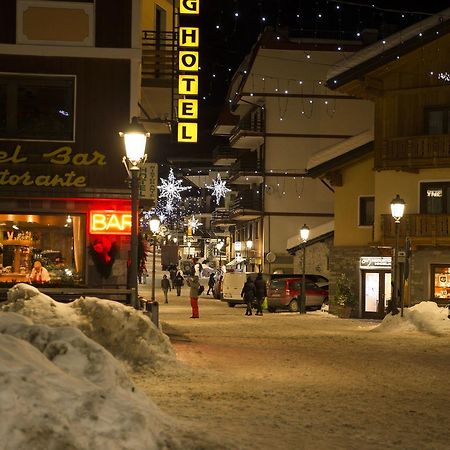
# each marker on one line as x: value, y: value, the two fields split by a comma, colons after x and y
x: 277, y: 284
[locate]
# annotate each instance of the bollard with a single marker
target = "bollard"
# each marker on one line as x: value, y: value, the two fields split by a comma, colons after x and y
x: 448, y: 306
x: 152, y: 308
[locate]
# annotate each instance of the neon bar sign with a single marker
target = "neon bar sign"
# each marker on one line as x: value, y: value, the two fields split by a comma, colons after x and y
x: 188, y: 66
x: 109, y: 222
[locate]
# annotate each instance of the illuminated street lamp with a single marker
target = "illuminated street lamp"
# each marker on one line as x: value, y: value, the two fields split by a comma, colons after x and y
x: 397, y: 210
x: 154, y: 228
x: 304, y: 235
x: 135, y: 139
x: 219, y: 246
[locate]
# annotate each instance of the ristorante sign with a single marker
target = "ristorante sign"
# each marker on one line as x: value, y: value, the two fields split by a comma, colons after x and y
x: 62, y: 156
x: 188, y: 66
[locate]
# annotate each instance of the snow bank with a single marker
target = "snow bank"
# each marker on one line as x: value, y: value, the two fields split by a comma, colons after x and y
x: 61, y: 390
x: 427, y: 317
x: 128, y: 334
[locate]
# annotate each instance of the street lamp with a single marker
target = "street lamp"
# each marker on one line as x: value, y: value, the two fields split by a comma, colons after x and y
x: 249, y: 246
x: 397, y: 210
x: 304, y: 235
x: 154, y: 228
x: 219, y: 246
x: 135, y: 139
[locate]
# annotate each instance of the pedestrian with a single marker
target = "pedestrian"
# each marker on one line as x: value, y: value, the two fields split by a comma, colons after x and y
x: 172, y: 274
x: 194, y: 285
x: 248, y: 293
x: 178, y: 282
x: 211, y: 282
x: 261, y: 293
x: 165, y: 286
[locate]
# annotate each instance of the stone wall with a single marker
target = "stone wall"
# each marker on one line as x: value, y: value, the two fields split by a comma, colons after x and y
x: 317, y: 258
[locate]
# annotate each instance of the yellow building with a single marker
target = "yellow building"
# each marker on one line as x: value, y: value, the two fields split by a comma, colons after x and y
x: 407, y: 77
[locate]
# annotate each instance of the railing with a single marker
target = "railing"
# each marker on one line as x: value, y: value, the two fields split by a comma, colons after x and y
x: 414, y: 152
x: 158, y: 53
x: 221, y: 215
x: 225, y: 153
x: 431, y: 229
x: 246, y: 166
x: 246, y: 200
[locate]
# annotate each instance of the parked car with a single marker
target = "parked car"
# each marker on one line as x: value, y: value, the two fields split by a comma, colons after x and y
x: 285, y: 293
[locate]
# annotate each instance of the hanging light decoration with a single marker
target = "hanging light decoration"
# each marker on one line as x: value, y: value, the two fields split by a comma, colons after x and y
x: 218, y: 188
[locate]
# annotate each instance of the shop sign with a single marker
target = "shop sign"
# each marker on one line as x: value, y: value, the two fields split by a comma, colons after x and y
x: 148, y: 182
x: 62, y: 156
x: 375, y: 262
x: 188, y: 67
x: 109, y: 222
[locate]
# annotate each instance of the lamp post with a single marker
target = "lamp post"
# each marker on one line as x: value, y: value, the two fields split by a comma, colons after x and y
x: 304, y: 235
x: 249, y: 245
x: 397, y: 210
x: 154, y: 228
x: 219, y: 246
x: 135, y: 139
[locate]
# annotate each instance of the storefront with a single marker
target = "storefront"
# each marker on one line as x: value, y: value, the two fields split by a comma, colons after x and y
x: 376, y: 285
x: 440, y: 283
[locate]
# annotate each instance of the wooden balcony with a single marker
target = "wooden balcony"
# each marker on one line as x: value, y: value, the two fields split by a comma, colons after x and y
x: 414, y: 152
x: 422, y: 229
x: 158, y: 57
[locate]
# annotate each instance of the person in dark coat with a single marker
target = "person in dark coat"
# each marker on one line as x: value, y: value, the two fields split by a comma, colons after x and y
x: 211, y: 282
x: 178, y: 282
x: 261, y: 293
x: 248, y: 294
x: 165, y: 286
x: 172, y: 274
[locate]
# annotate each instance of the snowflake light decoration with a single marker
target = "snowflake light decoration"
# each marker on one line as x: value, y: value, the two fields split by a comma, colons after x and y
x: 171, y: 190
x: 194, y: 223
x: 218, y: 188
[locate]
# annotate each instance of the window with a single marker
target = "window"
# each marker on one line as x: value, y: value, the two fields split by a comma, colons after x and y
x: 37, y: 107
x: 440, y: 283
x: 435, y: 198
x: 366, y: 211
x: 437, y: 120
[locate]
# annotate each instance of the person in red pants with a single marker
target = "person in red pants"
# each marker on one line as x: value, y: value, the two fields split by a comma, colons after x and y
x: 194, y: 285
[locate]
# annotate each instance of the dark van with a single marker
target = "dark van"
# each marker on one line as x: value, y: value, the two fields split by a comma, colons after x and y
x: 285, y: 293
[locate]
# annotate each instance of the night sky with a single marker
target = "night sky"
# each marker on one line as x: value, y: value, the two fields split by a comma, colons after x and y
x: 229, y: 28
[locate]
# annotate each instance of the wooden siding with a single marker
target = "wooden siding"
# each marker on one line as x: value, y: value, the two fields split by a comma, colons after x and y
x: 423, y: 229
x: 102, y: 110
x: 113, y: 23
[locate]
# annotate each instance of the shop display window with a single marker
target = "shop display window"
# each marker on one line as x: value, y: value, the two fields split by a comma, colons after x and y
x: 441, y: 282
x: 57, y: 241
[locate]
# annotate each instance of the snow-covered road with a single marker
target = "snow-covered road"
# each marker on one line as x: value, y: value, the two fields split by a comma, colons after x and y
x: 285, y: 381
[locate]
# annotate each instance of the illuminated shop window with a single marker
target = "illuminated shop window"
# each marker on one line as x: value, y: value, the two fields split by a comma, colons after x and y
x: 57, y: 241
x: 440, y: 276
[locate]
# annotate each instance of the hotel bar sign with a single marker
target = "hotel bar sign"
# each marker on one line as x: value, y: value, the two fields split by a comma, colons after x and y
x: 188, y: 66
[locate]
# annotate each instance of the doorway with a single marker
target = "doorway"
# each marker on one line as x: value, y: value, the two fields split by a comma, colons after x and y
x: 376, y: 292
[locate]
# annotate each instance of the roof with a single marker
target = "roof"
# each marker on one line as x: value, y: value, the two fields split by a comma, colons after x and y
x: 317, y: 234
x: 388, y: 49
x: 341, y: 153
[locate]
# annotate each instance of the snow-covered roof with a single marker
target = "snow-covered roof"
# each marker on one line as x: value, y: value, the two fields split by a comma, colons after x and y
x: 314, y: 233
x: 340, y: 149
x: 389, y: 42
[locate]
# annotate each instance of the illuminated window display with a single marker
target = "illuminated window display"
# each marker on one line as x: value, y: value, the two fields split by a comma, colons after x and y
x: 58, y: 241
x: 441, y: 282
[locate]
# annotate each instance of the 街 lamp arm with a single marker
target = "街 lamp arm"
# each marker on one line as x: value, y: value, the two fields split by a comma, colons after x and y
x: 126, y: 164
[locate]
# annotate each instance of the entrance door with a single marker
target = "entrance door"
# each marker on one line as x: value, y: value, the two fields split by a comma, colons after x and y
x: 376, y: 292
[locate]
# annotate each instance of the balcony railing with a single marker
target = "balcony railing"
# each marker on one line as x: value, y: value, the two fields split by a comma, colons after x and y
x: 221, y: 215
x: 414, y: 152
x: 158, y: 53
x: 246, y: 166
x: 423, y: 229
x: 248, y: 201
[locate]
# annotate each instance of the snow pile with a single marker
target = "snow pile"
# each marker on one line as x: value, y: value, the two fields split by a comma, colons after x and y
x: 61, y: 390
x: 427, y: 317
x: 128, y: 334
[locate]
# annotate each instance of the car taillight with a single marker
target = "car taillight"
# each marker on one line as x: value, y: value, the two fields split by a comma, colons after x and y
x: 288, y: 292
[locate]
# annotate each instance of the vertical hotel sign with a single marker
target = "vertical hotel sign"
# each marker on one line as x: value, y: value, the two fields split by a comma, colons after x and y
x: 188, y: 65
